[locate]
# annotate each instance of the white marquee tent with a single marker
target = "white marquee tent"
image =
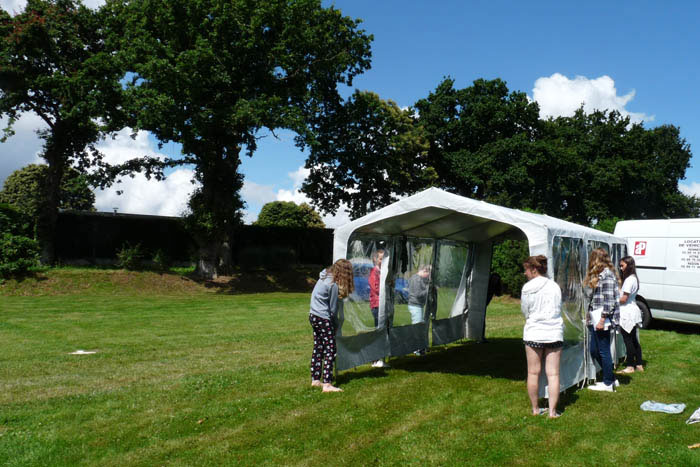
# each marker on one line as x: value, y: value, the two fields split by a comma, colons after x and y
x: 453, y: 235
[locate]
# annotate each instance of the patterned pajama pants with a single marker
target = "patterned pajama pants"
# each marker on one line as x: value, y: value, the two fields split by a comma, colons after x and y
x: 324, y: 349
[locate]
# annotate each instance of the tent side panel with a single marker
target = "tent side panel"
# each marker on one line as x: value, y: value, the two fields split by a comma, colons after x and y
x: 362, y: 348
x: 448, y: 330
x: 478, y: 292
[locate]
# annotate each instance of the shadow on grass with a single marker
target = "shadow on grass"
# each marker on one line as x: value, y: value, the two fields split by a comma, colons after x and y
x: 681, y: 328
x: 502, y: 358
x: 300, y: 279
x: 497, y: 358
x: 37, y: 275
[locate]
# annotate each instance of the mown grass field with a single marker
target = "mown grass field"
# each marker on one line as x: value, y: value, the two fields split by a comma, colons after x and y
x: 189, y: 374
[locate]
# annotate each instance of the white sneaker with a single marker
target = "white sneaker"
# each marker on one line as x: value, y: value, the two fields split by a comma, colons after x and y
x: 601, y: 386
x: 380, y: 364
x: 616, y: 383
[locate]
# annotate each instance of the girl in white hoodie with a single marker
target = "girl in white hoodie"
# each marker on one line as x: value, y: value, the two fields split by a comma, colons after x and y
x: 543, y: 334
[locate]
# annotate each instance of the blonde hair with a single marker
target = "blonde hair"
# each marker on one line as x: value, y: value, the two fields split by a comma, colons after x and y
x: 341, y: 271
x: 598, y: 261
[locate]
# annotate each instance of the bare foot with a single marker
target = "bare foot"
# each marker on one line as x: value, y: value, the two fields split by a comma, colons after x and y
x: 554, y: 415
x: 328, y: 387
x: 316, y: 383
x: 628, y: 369
x: 639, y: 368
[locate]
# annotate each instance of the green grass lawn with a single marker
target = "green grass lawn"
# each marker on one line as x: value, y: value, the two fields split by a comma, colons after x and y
x: 187, y: 375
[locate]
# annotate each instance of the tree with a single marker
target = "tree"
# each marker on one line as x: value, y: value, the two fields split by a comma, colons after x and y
x: 212, y: 74
x: 18, y: 252
x: 476, y: 136
x: 53, y: 62
x: 488, y: 143
x: 23, y: 189
x: 615, y: 169
x: 365, y: 154
x: 289, y: 214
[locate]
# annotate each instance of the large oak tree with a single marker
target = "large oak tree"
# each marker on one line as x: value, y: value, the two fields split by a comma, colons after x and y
x: 213, y: 74
x: 53, y: 62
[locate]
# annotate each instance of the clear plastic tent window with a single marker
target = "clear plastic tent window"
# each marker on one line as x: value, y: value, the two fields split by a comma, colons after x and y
x: 402, y: 286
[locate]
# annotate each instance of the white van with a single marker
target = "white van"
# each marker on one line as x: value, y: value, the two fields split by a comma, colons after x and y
x: 667, y: 255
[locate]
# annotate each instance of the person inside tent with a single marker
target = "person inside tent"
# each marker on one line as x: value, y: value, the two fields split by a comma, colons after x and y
x: 418, y: 286
x: 374, y: 286
x: 374, y: 279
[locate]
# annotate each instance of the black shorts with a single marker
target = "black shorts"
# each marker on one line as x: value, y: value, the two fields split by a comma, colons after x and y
x: 544, y: 345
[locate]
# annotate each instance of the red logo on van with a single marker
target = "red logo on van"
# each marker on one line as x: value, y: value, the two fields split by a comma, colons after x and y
x: 640, y: 248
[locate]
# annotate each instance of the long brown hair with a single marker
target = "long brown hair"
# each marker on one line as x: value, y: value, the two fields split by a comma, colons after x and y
x: 630, y: 269
x: 597, y: 262
x: 341, y: 271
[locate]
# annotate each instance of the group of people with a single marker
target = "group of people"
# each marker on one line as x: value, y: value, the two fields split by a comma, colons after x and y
x: 611, y: 306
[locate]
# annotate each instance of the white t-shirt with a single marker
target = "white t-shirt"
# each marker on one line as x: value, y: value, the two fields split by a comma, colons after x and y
x: 630, y: 314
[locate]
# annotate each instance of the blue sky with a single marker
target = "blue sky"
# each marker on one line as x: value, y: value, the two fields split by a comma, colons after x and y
x: 638, y: 57
x: 648, y: 50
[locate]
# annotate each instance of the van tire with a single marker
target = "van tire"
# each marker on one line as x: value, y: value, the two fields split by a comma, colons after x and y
x: 646, y: 314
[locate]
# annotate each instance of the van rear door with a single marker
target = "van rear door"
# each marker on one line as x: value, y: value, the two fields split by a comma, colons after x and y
x: 682, y: 281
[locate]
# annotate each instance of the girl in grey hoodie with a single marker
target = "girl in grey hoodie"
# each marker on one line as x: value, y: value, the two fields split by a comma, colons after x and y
x: 334, y: 283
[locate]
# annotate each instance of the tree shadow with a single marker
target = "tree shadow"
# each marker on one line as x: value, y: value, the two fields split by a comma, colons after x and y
x: 300, y: 280
x: 37, y: 276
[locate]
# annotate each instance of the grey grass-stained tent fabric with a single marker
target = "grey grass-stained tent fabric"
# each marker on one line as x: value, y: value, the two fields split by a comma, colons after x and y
x: 441, y: 243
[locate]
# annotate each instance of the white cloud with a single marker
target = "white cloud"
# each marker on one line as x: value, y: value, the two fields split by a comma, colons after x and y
x: 559, y: 96
x: 299, y: 176
x: 141, y: 196
x: 332, y: 221
x: 256, y: 194
x: 690, y: 189
x: 122, y: 147
x: 22, y: 148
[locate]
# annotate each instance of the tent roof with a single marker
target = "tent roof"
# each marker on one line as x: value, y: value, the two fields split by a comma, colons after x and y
x: 435, y: 213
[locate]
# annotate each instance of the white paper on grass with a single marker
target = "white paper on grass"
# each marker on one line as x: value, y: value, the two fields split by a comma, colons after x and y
x: 83, y: 352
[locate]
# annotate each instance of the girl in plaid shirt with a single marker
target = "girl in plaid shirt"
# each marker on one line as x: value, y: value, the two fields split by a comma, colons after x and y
x: 603, y: 313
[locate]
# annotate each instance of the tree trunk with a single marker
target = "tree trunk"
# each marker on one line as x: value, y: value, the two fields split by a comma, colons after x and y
x: 48, y: 213
x: 215, y: 209
x: 214, y: 259
x: 207, y: 264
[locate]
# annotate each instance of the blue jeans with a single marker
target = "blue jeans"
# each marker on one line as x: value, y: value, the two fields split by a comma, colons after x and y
x: 375, y: 315
x: 416, y: 314
x: 600, y: 351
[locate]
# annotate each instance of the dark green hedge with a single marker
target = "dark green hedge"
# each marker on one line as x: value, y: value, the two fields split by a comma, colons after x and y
x: 97, y: 235
x: 18, y: 251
